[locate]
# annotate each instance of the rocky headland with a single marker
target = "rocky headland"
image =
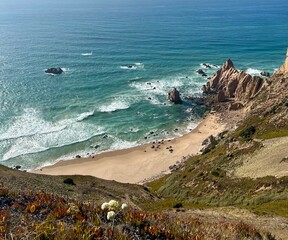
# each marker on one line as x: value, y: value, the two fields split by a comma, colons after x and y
x: 231, y: 85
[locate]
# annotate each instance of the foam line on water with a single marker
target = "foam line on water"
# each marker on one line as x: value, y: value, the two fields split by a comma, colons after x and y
x: 29, y: 133
x: 253, y: 71
x: 87, y: 54
x: 115, y: 104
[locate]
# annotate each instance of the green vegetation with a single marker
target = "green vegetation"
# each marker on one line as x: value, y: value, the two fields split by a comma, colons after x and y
x: 204, y: 182
x: 247, y: 133
x: 279, y: 208
x: 69, y: 181
x: 46, y: 216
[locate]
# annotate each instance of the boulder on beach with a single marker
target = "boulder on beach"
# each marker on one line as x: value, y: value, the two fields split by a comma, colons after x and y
x: 174, y: 96
x: 57, y: 70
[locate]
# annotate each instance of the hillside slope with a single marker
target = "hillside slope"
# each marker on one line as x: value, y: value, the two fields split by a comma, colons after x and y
x: 245, y: 167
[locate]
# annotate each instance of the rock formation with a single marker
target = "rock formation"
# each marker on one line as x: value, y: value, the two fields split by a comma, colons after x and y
x: 284, y: 68
x: 57, y: 70
x: 174, y: 96
x: 230, y: 84
x: 265, y: 74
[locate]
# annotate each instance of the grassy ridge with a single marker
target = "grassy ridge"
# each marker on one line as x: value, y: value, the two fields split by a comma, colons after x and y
x: 205, y: 180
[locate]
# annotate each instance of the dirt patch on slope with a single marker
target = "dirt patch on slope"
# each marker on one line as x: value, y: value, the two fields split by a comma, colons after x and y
x: 270, y: 160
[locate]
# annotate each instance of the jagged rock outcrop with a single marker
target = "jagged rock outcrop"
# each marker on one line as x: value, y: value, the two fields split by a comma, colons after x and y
x: 174, y: 96
x: 283, y: 70
x: 57, y: 70
x: 235, y: 106
x: 230, y: 84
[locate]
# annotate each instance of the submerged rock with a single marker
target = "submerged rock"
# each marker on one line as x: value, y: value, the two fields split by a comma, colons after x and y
x: 201, y: 72
x: 57, y: 70
x: 265, y: 74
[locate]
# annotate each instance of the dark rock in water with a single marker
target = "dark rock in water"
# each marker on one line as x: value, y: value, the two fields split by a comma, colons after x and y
x: 201, y: 72
x: 265, y: 74
x: 17, y: 167
x: 174, y: 96
x: 57, y: 70
x: 78, y: 156
x: 206, y: 65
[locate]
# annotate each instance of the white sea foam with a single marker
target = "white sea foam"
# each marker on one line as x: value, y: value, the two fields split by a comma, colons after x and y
x: 215, y: 66
x: 139, y: 64
x: 117, y: 104
x: 157, y: 87
x: 29, y: 133
x: 84, y: 115
x: 253, y: 71
x: 78, y: 132
x: 31, y: 123
x: 87, y: 54
x: 122, y: 144
x: 129, y: 67
x: 134, y: 66
x: 65, y: 69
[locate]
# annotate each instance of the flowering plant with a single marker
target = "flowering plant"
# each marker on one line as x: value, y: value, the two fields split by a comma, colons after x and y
x: 114, y: 208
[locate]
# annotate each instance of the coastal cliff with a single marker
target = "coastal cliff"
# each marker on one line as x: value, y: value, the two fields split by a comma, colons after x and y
x: 229, y: 84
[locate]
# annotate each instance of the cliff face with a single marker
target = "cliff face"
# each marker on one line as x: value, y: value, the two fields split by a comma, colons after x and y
x: 266, y: 98
x: 230, y: 84
x: 283, y: 70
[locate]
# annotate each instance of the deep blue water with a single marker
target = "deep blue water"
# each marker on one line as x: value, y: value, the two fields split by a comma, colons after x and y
x: 44, y: 118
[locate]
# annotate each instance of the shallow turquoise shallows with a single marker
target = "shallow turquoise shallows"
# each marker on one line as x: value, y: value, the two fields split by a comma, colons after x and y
x: 120, y: 59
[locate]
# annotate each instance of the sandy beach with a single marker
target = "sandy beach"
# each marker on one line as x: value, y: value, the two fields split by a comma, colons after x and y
x: 142, y: 163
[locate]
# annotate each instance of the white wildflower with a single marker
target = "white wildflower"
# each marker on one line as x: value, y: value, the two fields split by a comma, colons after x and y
x: 111, y: 215
x: 113, y: 205
x: 124, y: 206
x: 104, y: 206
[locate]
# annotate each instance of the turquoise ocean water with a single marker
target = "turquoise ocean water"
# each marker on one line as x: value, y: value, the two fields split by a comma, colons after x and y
x: 98, y: 100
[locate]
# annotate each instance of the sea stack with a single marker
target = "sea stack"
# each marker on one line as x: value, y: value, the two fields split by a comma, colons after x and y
x: 174, y: 96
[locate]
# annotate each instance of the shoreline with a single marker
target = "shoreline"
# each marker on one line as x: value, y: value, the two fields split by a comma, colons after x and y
x: 143, y: 163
